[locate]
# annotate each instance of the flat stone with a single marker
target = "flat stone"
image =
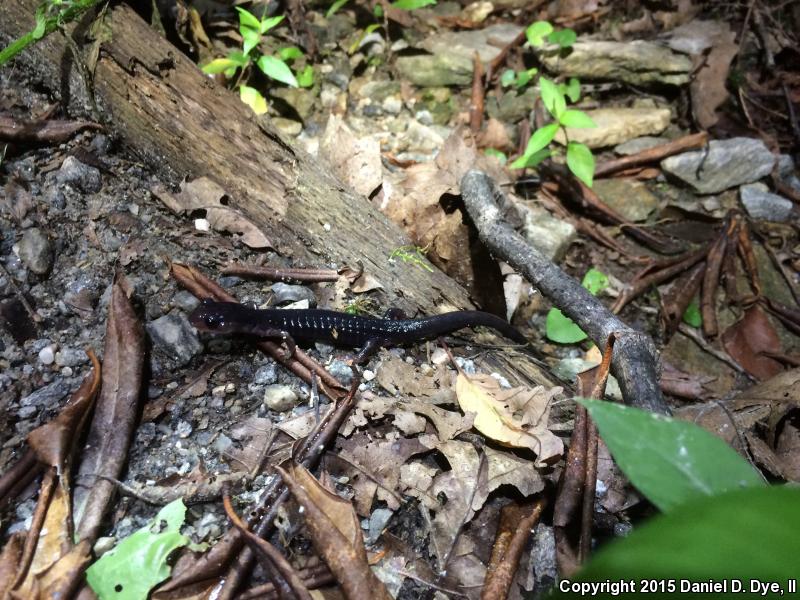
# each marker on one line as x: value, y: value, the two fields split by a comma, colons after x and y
x: 638, y: 144
x: 727, y: 164
x: 629, y: 197
x: 430, y: 70
x: 760, y: 203
x: 635, y: 62
x: 551, y: 236
x: 617, y: 125
x: 487, y: 42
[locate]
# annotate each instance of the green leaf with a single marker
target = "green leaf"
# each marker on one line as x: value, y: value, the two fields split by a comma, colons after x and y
x: 335, y: 7
x: 377, y: 10
x: 139, y: 562
x: 692, y: 316
x: 508, y: 77
x: 738, y: 536
x: 669, y: 461
x: 412, y: 4
x: 290, y: 53
x: 250, y: 39
x: 305, y: 77
x: 248, y: 20
x: 581, y: 162
x: 275, y: 68
x: 563, y: 37
x: 221, y: 65
x: 525, y: 161
x: 552, y: 98
x: 572, y: 89
x: 541, y: 138
x: 537, y: 31
x: 595, y: 281
x: 524, y: 77
x: 253, y: 98
x: 271, y: 22
x: 497, y: 154
x: 562, y: 329
x: 576, y: 118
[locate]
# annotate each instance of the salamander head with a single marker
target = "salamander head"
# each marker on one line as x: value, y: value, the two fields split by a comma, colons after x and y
x: 217, y: 317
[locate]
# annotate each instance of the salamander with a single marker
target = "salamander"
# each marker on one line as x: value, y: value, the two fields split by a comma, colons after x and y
x: 338, y: 328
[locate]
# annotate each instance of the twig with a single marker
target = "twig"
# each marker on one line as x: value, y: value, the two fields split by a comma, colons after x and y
x: 634, y: 363
x: 285, y: 275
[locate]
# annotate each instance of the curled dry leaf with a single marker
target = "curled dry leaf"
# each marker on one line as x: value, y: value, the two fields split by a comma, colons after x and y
x: 516, y: 417
x: 335, y: 529
x: 205, y: 194
x: 115, y: 416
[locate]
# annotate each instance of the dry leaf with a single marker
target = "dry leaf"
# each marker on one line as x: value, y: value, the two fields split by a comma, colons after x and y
x: 356, y: 161
x: 205, y: 194
x: 515, y: 417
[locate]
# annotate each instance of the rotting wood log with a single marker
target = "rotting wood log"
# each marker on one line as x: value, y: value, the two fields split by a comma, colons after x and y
x: 183, y: 125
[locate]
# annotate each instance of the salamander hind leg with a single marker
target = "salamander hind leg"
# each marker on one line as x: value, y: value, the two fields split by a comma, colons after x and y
x: 368, y: 351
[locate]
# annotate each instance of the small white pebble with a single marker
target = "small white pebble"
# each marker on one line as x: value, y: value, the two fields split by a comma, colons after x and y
x: 66, y: 371
x: 368, y: 375
x: 47, y: 355
x: 202, y: 225
x: 327, y: 226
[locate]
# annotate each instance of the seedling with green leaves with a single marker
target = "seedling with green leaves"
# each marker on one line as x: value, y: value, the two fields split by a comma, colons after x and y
x: 411, y: 254
x: 50, y: 15
x: 252, y: 30
x: 554, y: 97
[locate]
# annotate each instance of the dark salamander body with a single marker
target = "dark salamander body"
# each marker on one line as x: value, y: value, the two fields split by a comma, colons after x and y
x: 315, y: 325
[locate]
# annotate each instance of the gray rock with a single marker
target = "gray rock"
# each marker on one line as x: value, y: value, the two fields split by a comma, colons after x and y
x: 300, y: 99
x: 285, y: 293
x: 186, y: 301
x: 430, y: 70
x: 27, y: 412
x: 551, y: 236
x: 341, y: 370
x: 487, y: 42
x: 266, y: 374
x: 280, y: 398
x: 787, y: 173
x: 36, y: 251
x: 48, y: 396
x: 175, y: 336
x: 629, y: 197
x: 70, y: 357
x: 55, y: 198
x: 639, y: 144
x: 83, y: 177
x: 729, y: 163
x: 635, y: 62
x: 287, y: 127
x: 513, y: 106
x: 760, y: 203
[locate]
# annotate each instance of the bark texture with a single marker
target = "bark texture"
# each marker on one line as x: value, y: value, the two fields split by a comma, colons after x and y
x: 182, y: 124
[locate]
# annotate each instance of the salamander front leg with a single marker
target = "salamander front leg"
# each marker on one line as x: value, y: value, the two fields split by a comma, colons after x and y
x: 368, y: 351
x: 394, y: 314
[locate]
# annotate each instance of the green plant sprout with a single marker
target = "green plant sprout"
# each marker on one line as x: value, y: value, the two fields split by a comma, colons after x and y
x: 554, y: 97
x: 252, y: 30
x: 50, y: 15
x: 412, y: 254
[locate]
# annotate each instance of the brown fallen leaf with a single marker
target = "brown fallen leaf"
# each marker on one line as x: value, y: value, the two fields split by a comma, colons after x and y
x: 335, y: 530
x: 746, y: 339
x: 207, y: 195
x: 515, y: 417
x: 115, y: 416
x: 357, y: 161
